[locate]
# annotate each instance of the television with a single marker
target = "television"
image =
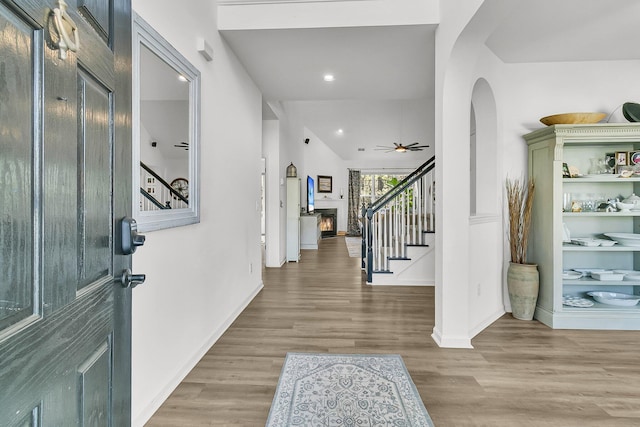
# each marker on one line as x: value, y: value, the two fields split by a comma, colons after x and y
x: 310, y: 195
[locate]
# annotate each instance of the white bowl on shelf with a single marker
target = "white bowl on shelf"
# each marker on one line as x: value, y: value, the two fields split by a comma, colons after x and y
x: 625, y: 239
x: 625, y: 207
x: 615, y: 298
x: 571, y: 275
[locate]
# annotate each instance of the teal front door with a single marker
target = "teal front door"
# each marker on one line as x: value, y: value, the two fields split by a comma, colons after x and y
x: 65, y: 169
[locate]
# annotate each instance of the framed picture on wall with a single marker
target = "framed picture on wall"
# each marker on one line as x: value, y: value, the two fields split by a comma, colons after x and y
x: 325, y: 184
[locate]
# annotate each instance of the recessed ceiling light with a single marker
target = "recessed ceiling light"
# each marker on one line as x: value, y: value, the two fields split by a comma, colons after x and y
x: 340, y: 131
x: 182, y: 78
x: 329, y: 77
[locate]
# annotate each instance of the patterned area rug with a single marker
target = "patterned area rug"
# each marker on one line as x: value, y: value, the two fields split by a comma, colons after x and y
x: 327, y: 390
x: 354, y: 246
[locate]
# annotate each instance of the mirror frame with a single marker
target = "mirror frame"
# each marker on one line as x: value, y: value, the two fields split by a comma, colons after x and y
x: 144, y: 34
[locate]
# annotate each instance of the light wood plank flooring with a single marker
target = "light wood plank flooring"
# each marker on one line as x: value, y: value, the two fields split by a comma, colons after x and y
x: 519, y: 373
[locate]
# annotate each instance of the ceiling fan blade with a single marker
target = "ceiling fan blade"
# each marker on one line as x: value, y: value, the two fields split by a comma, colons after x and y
x: 412, y: 144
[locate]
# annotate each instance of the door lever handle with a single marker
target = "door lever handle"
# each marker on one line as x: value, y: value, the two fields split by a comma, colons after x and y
x: 129, y: 280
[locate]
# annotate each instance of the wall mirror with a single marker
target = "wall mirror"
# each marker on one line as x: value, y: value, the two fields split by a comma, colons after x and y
x: 166, y: 120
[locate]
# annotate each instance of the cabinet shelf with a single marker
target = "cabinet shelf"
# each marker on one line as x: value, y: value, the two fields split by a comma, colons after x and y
x: 587, y: 281
x: 604, y: 308
x: 578, y: 145
x: 600, y: 214
x: 607, y: 179
x: 568, y: 247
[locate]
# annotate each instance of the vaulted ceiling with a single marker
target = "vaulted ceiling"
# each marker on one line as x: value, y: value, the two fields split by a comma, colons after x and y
x: 384, y: 75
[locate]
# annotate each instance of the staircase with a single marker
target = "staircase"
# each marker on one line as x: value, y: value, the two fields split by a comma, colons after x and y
x: 398, y: 238
x: 163, y: 196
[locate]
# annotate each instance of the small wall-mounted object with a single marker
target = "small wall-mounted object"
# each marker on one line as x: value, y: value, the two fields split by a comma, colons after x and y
x: 154, y: 144
x: 204, y: 49
x: 306, y: 140
x: 292, y: 171
x: 62, y: 21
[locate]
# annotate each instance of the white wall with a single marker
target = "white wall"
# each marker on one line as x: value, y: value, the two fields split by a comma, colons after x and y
x: 201, y: 276
x: 537, y: 90
x: 455, y: 60
x: 468, y: 299
x: 275, y: 246
x: 486, y: 233
x: 241, y: 14
x: 167, y: 123
x: 541, y: 89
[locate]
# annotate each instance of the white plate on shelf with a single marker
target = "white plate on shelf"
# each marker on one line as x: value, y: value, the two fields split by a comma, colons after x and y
x: 606, y: 275
x: 573, y: 301
x: 601, y: 176
x: 585, y: 241
x: 629, y: 274
x: 588, y: 270
x: 625, y: 239
x: 572, y: 275
x: 615, y: 298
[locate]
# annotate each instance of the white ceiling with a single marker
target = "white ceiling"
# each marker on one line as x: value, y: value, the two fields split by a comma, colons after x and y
x: 368, y: 62
x: 377, y: 66
x: 569, y: 30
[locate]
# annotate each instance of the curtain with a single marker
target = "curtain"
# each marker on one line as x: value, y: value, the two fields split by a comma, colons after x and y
x: 354, y: 225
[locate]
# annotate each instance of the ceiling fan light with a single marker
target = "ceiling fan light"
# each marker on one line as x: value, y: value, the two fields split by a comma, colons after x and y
x: 400, y: 149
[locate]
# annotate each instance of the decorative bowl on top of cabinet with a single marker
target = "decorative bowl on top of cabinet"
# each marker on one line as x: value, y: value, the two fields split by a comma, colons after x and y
x: 584, y: 206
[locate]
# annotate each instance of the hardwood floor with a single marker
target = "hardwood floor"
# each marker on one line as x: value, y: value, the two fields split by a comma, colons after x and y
x: 519, y: 373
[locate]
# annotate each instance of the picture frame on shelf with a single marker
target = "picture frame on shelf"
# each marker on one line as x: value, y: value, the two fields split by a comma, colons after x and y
x: 610, y: 160
x: 565, y: 171
x: 621, y: 158
x: 325, y: 184
x: 634, y: 158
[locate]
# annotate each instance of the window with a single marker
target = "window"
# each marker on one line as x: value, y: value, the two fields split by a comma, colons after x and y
x: 375, y: 185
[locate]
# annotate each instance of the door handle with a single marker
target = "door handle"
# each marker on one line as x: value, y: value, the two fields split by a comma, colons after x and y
x: 129, y: 280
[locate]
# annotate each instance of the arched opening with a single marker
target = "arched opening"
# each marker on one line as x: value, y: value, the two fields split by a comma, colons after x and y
x: 485, y: 186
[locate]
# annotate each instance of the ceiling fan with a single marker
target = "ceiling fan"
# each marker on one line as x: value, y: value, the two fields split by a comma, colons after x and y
x: 184, y: 145
x: 399, y: 148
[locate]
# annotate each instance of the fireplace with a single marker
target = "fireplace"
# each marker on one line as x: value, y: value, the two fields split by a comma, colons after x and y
x: 328, y: 222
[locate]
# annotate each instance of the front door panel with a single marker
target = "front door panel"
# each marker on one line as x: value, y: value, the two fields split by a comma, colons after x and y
x: 64, y: 320
x: 17, y: 100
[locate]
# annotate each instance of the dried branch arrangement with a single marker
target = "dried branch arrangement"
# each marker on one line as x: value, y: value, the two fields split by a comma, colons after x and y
x: 519, y: 204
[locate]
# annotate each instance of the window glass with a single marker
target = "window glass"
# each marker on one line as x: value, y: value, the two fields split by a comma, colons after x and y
x: 375, y: 185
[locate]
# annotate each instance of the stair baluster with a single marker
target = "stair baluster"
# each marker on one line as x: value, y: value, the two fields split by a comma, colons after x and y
x: 399, y: 218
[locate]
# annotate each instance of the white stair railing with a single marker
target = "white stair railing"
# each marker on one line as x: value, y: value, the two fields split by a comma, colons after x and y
x: 399, y: 219
x: 162, y: 195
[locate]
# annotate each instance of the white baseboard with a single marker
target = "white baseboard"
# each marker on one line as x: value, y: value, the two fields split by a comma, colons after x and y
x: 402, y: 284
x: 486, y: 322
x: 141, y: 419
x: 450, y: 341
